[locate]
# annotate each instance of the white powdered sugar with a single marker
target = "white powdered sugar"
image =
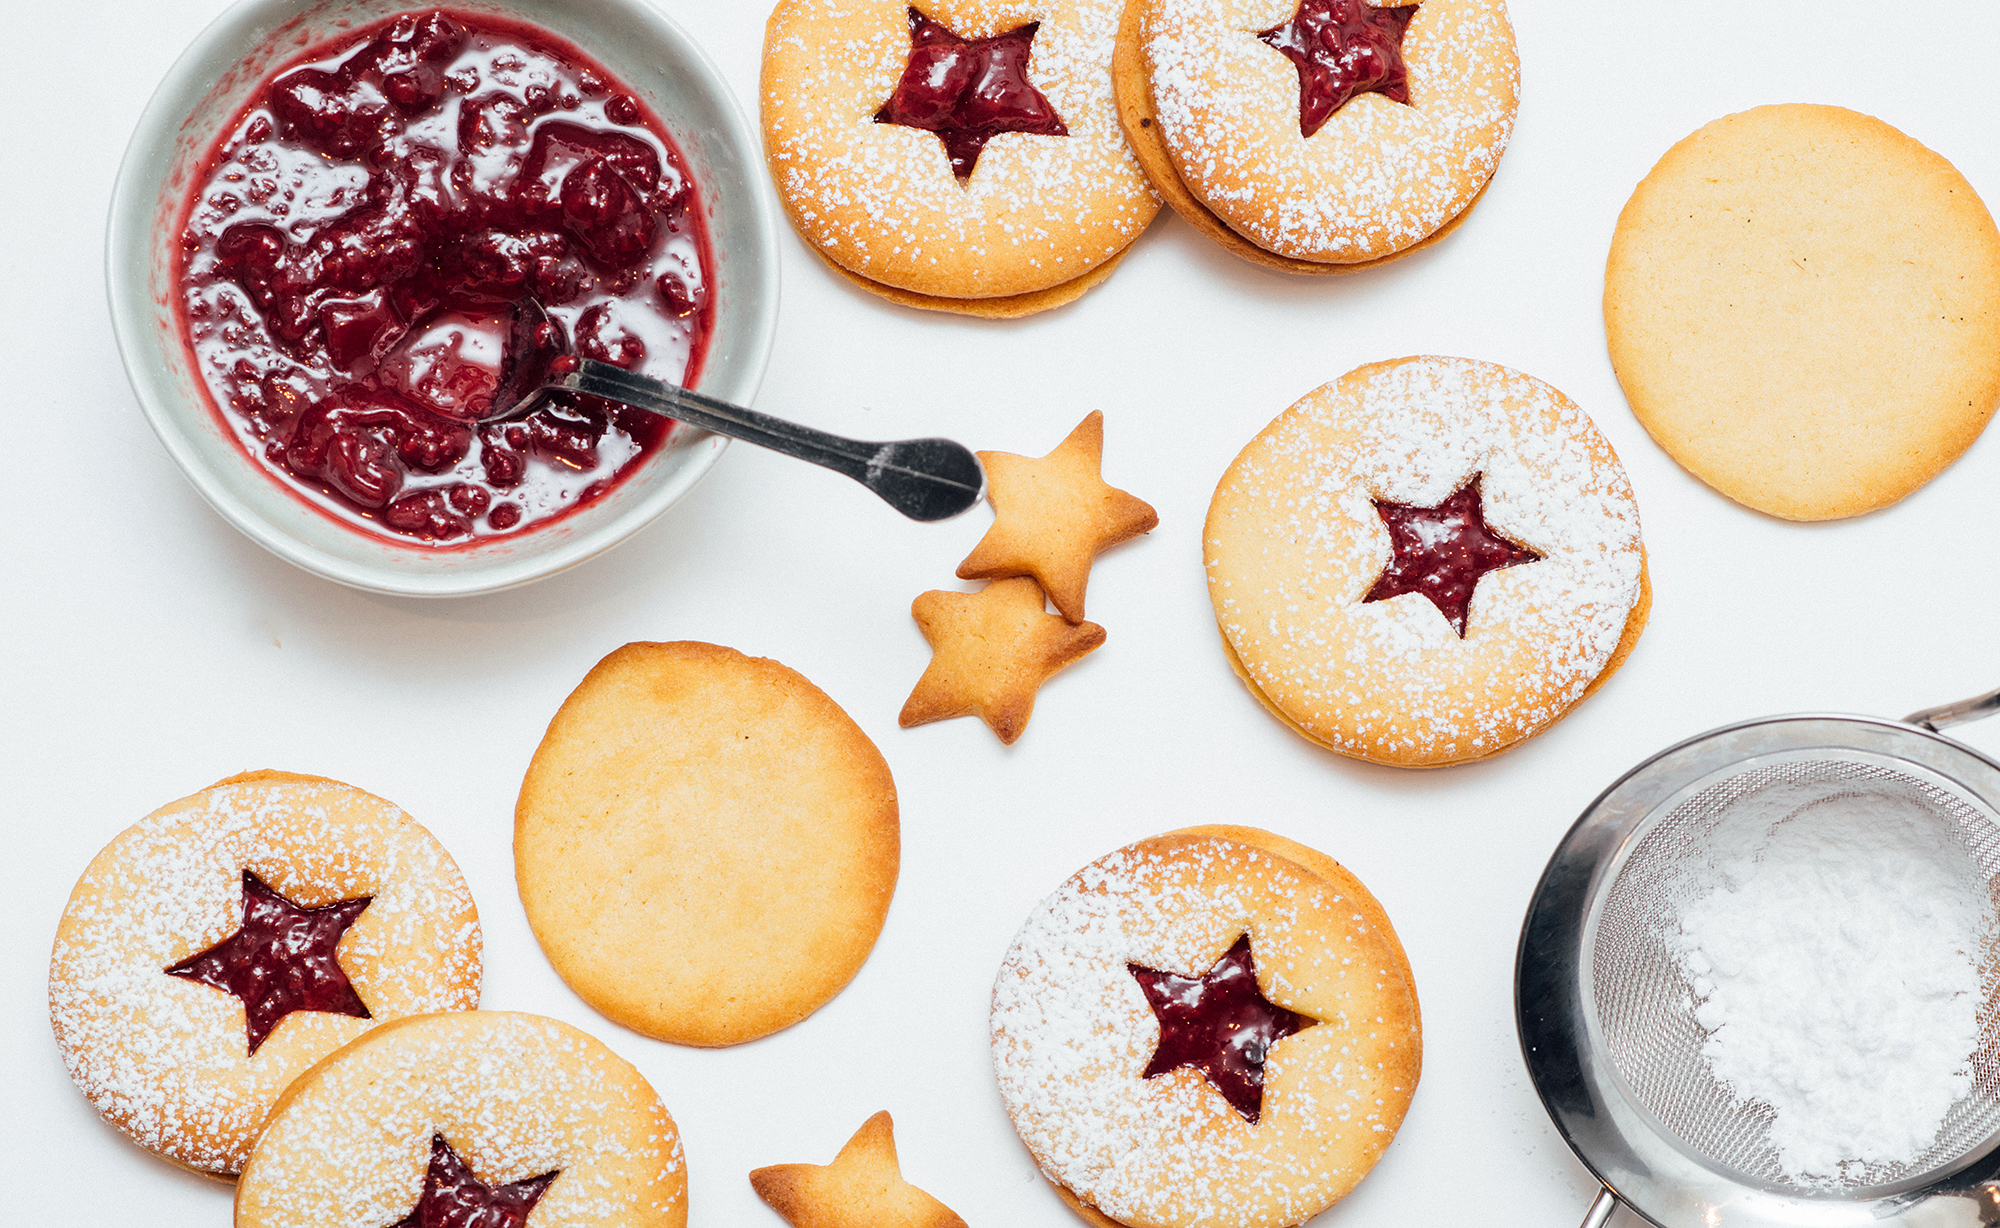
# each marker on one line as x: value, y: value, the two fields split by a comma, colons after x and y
x: 1073, y: 1034
x: 1837, y: 965
x: 1380, y: 175
x: 516, y: 1096
x: 166, y: 1058
x: 881, y: 199
x: 1295, y: 542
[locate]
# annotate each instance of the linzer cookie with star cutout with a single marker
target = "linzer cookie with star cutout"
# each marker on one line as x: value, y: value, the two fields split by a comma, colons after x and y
x: 1212, y: 1028
x: 474, y: 1119
x: 230, y: 940
x: 1426, y: 561
x: 956, y: 155
x: 1318, y: 136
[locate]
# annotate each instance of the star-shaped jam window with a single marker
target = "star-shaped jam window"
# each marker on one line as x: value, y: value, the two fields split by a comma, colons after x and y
x: 1343, y: 48
x: 969, y: 91
x: 1441, y: 552
x: 1219, y: 1023
x: 281, y: 960
x: 454, y: 1198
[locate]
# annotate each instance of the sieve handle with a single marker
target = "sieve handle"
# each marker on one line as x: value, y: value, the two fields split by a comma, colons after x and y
x: 1945, y: 716
x: 1600, y: 1211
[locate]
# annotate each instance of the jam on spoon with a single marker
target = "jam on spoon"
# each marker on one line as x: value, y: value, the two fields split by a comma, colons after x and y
x: 968, y: 91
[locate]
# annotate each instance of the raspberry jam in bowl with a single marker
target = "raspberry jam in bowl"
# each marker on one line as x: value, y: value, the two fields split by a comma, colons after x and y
x: 319, y: 241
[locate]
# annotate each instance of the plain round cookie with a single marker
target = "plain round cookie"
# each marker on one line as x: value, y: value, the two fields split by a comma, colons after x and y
x: 1293, y: 542
x: 165, y: 1059
x: 1213, y: 115
x: 706, y: 845
x: 1803, y: 307
x: 1040, y: 220
x: 1072, y: 1033
x: 515, y: 1096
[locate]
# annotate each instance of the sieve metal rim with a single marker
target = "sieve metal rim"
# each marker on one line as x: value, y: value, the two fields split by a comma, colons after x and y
x: 1622, y: 1144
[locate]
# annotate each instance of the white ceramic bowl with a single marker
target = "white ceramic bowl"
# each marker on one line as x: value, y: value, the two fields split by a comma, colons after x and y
x: 204, y: 91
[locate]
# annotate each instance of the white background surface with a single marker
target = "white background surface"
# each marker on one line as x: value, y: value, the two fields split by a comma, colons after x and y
x: 149, y: 649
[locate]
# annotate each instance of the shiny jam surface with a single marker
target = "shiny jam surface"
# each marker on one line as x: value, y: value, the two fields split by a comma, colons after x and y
x: 1442, y: 552
x: 453, y: 1198
x: 283, y: 959
x: 969, y: 90
x: 1343, y: 48
x: 354, y: 251
x: 1219, y: 1023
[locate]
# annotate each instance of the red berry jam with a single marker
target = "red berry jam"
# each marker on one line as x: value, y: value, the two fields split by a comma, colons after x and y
x: 1219, y: 1023
x: 969, y: 91
x: 283, y: 958
x: 453, y: 1197
x: 1441, y: 552
x: 1343, y: 48
x: 357, y: 249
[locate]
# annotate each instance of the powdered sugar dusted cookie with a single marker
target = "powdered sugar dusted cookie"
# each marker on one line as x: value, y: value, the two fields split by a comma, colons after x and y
x: 1318, y: 136
x: 960, y: 155
x: 231, y: 939
x: 1426, y: 561
x: 1213, y: 1028
x: 478, y: 1117
x: 706, y: 845
x: 1803, y: 307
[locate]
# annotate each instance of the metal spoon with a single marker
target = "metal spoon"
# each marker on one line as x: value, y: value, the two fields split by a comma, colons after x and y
x: 925, y: 479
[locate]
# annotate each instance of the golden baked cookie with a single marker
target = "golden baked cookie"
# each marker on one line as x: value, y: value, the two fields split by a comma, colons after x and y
x: 1803, y: 307
x: 705, y: 843
x: 486, y: 1117
x: 862, y: 1188
x: 1426, y: 561
x: 1053, y: 515
x: 1119, y: 1022
x: 229, y: 940
x: 1318, y: 136
x: 956, y: 155
x: 990, y: 652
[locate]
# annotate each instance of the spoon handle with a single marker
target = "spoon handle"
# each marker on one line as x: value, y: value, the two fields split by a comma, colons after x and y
x: 925, y: 479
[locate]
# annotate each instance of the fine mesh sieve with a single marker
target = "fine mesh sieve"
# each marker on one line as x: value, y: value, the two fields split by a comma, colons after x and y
x: 1606, y: 1010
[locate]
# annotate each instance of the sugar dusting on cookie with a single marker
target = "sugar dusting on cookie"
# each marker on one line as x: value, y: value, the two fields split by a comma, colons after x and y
x: 1380, y: 176
x: 1389, y: 680
x: 1073, y: 1034
x: 166, y: 1059
x: 882, y: 201
x: 516, y: 1095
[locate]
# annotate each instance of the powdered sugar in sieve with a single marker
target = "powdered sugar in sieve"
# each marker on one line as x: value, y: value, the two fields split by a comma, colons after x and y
x: 1793, y: 970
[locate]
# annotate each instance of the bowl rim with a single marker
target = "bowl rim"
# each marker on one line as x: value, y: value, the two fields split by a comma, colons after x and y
x: 135, y: 194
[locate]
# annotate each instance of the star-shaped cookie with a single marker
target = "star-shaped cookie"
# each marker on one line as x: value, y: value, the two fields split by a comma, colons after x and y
x: 1051, y: 517
x: 862, y: 1188
x: 990, y: 651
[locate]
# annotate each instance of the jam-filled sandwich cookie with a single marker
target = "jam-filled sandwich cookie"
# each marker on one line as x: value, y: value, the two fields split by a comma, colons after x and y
x: 1213, y: 1028
x: 1318, y: 136
x: 706, y: 844
x: 1803, y: 307
x: 230, y: 940
x: 956, y: 155
x: 483, y: 1118
x: 1426, y: 561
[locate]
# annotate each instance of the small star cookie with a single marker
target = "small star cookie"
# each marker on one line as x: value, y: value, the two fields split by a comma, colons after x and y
x: 990, y: 651
x: 862, y: 1188
x: 1052, y: 516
